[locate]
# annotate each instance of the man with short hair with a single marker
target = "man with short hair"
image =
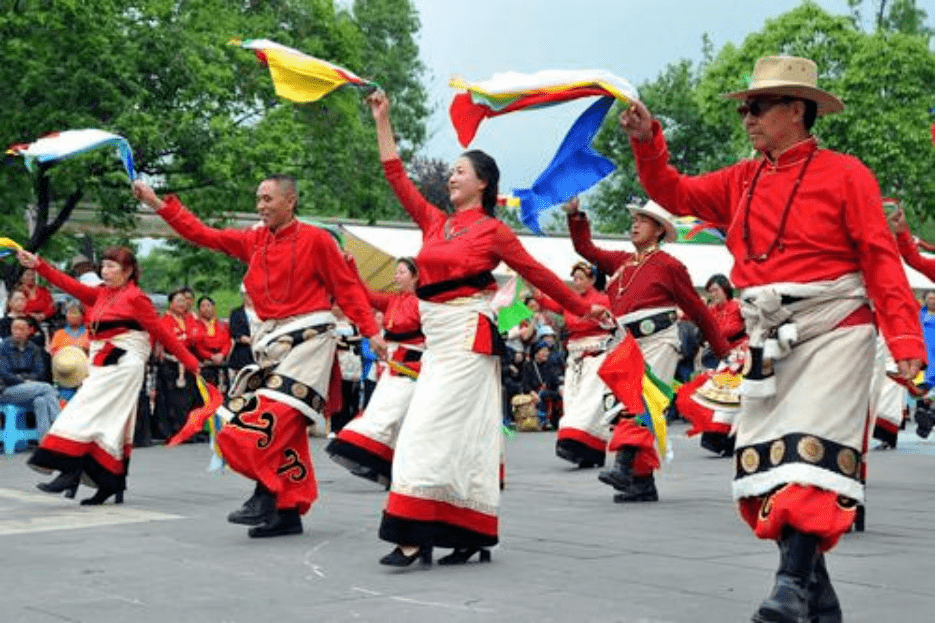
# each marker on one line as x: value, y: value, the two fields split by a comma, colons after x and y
x: 294, y: 270
x: 811, y: 246
x: 21, y: 366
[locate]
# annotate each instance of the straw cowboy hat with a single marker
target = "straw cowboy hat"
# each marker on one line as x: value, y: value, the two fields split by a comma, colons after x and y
x: 69, y: 367
x: 790, y: 76
x: 659, y: 214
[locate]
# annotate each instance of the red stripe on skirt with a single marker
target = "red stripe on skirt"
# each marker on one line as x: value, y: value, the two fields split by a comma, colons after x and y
x: 418, y: 509
x: 584, y: 438
x: 364, y: 442
x: 77, y: 449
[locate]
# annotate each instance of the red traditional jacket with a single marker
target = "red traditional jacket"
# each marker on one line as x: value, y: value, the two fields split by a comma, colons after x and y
x: 912, y: 256
x: 834, y: 224
x: 111, y: 311
x: 401, y: 324
x: 290, y: 272
x: 469, y: 243
x: 577, y: 326
x: 211, y: 338
x: 656, y: 280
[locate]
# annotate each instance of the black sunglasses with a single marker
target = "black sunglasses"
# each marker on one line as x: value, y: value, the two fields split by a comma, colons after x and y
x: 757, y: 107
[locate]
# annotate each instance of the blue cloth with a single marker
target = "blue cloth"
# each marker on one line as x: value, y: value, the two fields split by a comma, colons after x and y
x: 368, y: 357
x: 18, y: 364
x: 576, y: 167
x: 929, y: 327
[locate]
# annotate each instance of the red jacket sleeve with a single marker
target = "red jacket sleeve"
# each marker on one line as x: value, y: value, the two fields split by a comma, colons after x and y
x: 912, y: 256
x: 690, y: 302
x: 419, y: 209
x: 344, y: 284
x: 86, y: 294
x: 514, y: 255
x: 233, y: 242
x: 606, y: 261
x: 548, y: 304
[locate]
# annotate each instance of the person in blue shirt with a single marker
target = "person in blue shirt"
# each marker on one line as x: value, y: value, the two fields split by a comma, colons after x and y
x: 22, y: 364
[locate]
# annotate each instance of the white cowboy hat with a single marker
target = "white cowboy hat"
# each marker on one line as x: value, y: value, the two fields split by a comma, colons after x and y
x: 791, y: 76
x: 659, y: 214
x: 69, y: 367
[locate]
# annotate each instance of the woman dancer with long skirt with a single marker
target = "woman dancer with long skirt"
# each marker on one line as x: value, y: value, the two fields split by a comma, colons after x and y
x: 445, y: 487
x: 93, y: 436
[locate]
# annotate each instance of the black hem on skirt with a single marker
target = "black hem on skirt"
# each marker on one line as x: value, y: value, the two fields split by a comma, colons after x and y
x: 436, y: 533
x: 577, y: 452
x: 43, y: 459
x: 359, y: 461
x: 882, y: 434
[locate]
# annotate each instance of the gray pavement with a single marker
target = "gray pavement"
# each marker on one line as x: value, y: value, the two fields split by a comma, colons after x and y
x: 567, y: 553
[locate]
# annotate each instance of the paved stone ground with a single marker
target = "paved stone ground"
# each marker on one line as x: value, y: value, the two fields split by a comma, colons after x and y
x: 567, y: 552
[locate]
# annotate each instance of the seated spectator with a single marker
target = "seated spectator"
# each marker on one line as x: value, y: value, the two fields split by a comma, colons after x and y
x: 521, y: 337
x: 512, y: 380
x: 22, y: 365
x: 74, y: 333
x: 69, y: 370
x: 16, y: 308
x: 212, y: 343
x: 39, y: 303
x: 541, y: 379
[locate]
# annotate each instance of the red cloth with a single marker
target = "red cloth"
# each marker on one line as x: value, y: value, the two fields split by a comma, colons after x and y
x: 659, y: 280
x: 401, y: 315
x: 804, y: 508
x: 478, y: 243
x: 622, y: 371
x: 729, y: 320
x: 182, y: 328
x: 269, y: 444
x: 699, y: 417
x: 835, y: 227
x: 577, y: 326
x: 127, y: 303
x: 629, y: 432
x: 912, y: 256
x: 39, y: 300
x: 211, y: 339
x: 290, y: 272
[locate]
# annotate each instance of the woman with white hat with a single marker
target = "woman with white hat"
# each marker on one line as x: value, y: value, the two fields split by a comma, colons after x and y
x: 811, y: 246
x: 645, y: 288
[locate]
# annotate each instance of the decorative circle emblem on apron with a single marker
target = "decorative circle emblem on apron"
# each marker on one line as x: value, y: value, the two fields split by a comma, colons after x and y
x: 646, y: 326
x: 750, y: 460
x: 810, y: 449
x: 847, y: 461
x: 777, y: 450
x: 275, y: 381
x: 300, y: 391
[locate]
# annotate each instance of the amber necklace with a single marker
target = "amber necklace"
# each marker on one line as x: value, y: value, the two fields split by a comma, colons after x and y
x: 776, y: 243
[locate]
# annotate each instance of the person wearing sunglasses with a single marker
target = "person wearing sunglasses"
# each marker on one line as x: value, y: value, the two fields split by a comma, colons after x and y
x: 811, y: 248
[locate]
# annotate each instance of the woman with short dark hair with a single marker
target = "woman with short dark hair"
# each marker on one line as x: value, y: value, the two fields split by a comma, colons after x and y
x: 92, y: 437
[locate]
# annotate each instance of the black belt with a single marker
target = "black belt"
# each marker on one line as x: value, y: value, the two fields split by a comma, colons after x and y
x: 390, y: 336
x: 651, y: 324
x: 479, y: 281
x: 301, y: 335
x: 737, y: 336
x: 108, y: 325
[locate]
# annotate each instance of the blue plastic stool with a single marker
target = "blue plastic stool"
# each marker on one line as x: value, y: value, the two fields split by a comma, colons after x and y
x: 15, y: 431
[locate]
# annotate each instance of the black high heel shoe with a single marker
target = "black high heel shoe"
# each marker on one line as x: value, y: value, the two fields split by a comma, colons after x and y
x: 101, y: 496
x: 397, y: 558
x: 461, y: 555
x: 65, y: 481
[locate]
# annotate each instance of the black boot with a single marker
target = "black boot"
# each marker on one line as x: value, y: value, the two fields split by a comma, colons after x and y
x: 101, y: 495
x: 255, y: 510
x: 823, y: 602
x: 281, y: 522
x: 397, y: 558
x: 65, y: 481
x: 639, y: 489
x: 619, y: 476
x: 789, y: 600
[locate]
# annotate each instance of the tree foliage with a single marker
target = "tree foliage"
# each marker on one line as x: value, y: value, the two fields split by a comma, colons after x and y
x: 885, y: 78
x: 201, y: 115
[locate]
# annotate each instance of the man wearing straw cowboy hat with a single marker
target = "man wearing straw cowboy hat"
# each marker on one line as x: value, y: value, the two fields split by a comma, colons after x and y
x: 811, y: 247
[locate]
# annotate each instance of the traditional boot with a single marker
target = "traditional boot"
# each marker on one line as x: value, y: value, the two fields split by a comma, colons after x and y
x: 619, y: 476
x: 255, y: 510
x: 639, y: 489
x: 823, y: 602
x: 280, y: 522
x: 789, y: 600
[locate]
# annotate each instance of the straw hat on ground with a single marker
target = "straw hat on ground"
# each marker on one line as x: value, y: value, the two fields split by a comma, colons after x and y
x: 789, y: 76
x: 659, y: 214
x: 69, y: 367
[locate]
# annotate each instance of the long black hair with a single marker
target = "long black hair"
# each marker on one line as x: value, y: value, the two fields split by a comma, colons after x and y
x: 486, y: 170
x: 722, y: 282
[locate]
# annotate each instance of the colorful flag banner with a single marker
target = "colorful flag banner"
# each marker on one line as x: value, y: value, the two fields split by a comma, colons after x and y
x: 641, y: 393
x: 693, y: 230
x: 62, y: 145
x: 508, y: 307
x: 511, y: 91
x: 195, y: 423
x: 297, y: 76
x: 575, y: 168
